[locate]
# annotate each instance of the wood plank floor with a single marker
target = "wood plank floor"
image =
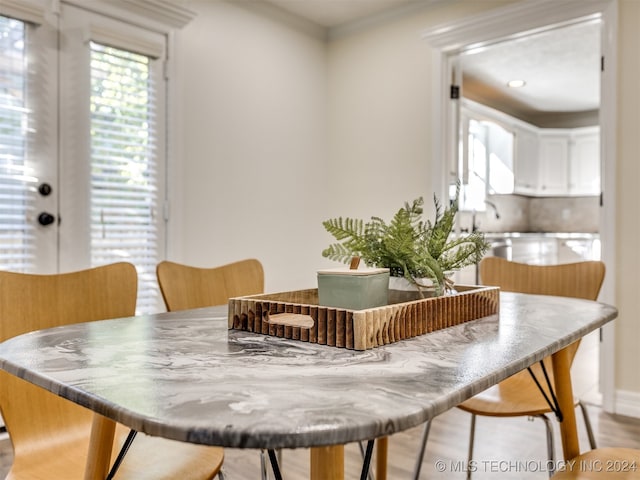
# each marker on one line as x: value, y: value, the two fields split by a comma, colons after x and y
x: 505, y: 449
x: 502, y: 446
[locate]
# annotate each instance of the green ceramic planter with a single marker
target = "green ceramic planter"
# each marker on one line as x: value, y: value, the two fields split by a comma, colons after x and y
x: 353, y: 289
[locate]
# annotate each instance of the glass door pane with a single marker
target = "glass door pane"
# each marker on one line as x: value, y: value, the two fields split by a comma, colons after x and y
x: 82, y: 154
x: 112, y: 144
x: 28, y: 145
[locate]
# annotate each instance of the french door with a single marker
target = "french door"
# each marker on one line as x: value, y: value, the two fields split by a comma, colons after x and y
x: 81, y: 144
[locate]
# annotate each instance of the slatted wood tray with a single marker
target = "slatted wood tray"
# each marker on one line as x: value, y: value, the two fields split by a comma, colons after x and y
x: 297, y: 315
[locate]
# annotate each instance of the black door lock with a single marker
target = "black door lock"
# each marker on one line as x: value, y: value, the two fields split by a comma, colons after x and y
x: 45, y: 219
x: 44, y: 189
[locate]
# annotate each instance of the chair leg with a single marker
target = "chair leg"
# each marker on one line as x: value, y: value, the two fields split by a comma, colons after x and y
x: 587, y: 424
x: 363, y: 453
x: 275, y: 466
x: 366, y: 465
x: 423, y: 446
x: 264, y: 465
x: 551, y: 453
x: 472, y: 435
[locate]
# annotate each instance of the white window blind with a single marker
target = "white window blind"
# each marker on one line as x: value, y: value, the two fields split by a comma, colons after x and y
x: 17, y: 189
x: 124, y: 174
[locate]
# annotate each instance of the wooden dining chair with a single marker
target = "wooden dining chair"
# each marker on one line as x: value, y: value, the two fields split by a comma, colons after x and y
x: 49, y: 434
x: 519, y: 395
x: 184, y: 287
x: 602, y: 464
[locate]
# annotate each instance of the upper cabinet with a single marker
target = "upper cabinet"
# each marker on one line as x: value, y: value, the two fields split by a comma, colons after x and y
x: 584, y: 161
x: 567, y: 163
x: 526, y: 172
x: 553, y: 162
x: 545, y: 161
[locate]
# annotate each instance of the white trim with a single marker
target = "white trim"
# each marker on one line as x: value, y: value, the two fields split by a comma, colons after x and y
x: 439, y: 167
x: 628, y: 403
x: 139, y: 41
x: 33, y: 11
x: 608, y: 146
x: 280, y: 15
x: 377, y: 19
x: 28, y: 11
x: 174, y: 193
x: 504, y: 119
x: 160, y: 16
x: 512, y: 21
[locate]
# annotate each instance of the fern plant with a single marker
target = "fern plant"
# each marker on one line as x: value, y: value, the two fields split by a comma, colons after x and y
x: 408, y: 246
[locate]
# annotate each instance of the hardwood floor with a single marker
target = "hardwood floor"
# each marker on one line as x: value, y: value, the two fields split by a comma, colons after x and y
x: 505, y: 449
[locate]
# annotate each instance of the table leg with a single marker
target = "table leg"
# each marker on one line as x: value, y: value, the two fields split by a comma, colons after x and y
x: 564, y: 393
x: 327, y: 462
x: 100, y: 445
x: 382, y: 449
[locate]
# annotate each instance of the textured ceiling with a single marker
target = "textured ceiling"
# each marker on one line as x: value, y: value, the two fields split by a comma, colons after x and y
x: 561, y: 68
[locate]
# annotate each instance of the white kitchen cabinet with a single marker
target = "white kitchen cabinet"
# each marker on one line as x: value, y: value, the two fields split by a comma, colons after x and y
x: 569, y: 161
x: 548, y: 161
x: 584, y: 162
x: 526, y: 169
x: 554, y: 162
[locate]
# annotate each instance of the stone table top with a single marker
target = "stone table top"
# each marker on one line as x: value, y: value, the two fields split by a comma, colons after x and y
x: 185, y: 376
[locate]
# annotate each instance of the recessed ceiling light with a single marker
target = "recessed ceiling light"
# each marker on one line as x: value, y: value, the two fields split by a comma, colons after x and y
x: 516, y: 83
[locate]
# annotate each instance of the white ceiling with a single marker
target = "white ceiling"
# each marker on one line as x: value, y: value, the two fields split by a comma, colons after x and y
x: 333, y: 13
x: 561, y: 66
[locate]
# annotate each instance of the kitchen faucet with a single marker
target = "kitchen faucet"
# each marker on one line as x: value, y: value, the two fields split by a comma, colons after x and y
x: 495, y: 209
x: 474, y: 226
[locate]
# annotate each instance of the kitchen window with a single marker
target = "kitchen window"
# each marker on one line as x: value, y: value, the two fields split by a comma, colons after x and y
x: 486, y: 161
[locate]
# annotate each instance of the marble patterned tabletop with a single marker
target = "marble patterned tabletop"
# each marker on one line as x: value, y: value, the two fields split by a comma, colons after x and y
x: 184, y: 376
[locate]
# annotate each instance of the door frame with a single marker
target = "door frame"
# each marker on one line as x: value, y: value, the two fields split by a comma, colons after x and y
x: 447, y: 40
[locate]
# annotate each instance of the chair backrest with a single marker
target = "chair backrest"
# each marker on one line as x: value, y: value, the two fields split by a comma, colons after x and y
x: 29, y: 302
x: 184, y: 287
x: 578, y: 280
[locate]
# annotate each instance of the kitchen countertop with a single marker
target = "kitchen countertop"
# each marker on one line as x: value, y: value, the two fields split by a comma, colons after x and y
x: 528, y: 235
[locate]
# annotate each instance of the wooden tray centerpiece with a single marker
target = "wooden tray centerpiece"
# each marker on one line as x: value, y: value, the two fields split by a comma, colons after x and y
x: 407, y: 247
x: 297, y: 315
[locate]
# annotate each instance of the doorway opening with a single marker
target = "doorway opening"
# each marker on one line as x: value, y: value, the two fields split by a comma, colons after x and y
x: 516, y: 22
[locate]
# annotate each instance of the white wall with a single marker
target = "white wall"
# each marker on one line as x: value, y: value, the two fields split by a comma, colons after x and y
x: 283, y: 130
x: 628, y: 205
x: 252, y: 179
x: 380, y: 115
x: 378, y: 122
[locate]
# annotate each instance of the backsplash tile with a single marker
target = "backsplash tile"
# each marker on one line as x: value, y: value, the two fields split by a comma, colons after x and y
x: 564, y: 214
x: 518, y: 213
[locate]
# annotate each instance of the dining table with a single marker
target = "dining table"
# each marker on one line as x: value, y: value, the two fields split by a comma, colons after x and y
x: 186, y: 376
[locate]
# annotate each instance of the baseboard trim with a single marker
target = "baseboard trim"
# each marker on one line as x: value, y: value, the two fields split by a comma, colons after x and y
x: 627, y: 403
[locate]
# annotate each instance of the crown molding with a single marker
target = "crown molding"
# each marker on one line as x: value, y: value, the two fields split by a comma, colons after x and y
x: 402, y: 10
x: 160, y: 15
x: 524, y: 16
x: 170, y: 13
x: 32, y: 11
